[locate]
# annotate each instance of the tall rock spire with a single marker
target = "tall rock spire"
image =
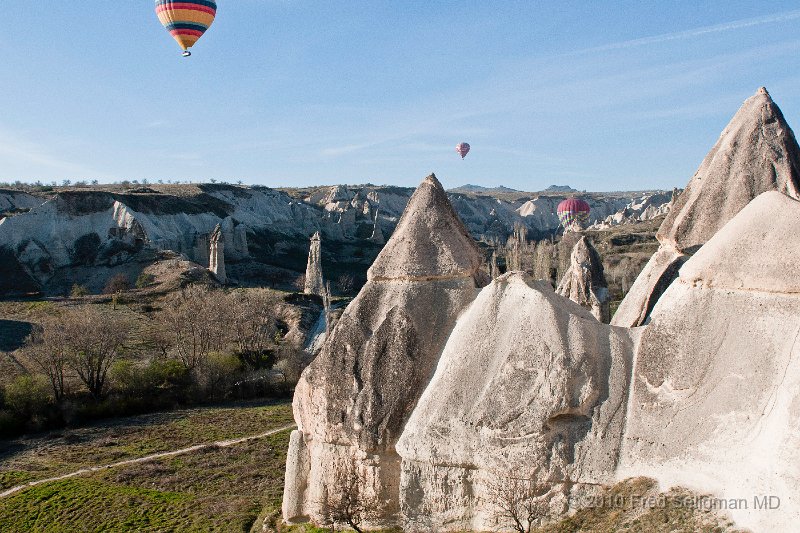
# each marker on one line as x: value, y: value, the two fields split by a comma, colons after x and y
x: 216, y: 254
x: 430, y: 240
x: 314, y: 281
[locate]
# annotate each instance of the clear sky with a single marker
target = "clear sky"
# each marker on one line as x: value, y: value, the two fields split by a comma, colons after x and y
x: 607, y: 95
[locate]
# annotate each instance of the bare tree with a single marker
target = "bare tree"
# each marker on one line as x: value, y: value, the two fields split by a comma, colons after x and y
x: 516, y: 247
x: 94, y: 341
x: 517, y: 501
x: 347, y: 501
x: 254, y: 324
x: 48, y: 350
x: 196, y: 320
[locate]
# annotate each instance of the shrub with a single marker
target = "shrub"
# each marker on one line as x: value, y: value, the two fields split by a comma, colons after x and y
x: 10, y: 425
x: 86, y: 248
x: 78, y: 290
x: 144, y: 280
x: 217, y: 375
x: 28, y: 396
x: 117, y: 283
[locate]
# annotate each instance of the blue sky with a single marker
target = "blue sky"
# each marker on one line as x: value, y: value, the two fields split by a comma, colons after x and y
x: 598, y: 95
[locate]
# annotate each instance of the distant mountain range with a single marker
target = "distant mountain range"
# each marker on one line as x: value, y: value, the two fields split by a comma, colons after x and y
x: 475, y: 189
x: 478, y: 189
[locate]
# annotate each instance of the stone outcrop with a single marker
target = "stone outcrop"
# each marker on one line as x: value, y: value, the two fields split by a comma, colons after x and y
x: 530, y: 385
x: 714, y: 402
x: 217, y: 254
x: 315, y: 283
x: 353, y: 401
x: 757, y: 152
x: 645, y: 207
x: 584, y: 283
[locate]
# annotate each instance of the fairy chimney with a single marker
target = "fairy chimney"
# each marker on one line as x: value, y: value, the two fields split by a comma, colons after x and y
x: 314, y: 283
x: 216, y: 263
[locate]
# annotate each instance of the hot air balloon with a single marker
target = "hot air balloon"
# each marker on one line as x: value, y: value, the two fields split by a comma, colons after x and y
x: 186, y: 20
x: 462, y: 149
x: 573, y: 211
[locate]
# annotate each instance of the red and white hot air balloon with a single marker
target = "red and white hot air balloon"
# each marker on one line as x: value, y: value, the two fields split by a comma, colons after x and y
x: 462, y: 149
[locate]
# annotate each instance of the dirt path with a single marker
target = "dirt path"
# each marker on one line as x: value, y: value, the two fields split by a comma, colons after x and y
x: 88, y: 470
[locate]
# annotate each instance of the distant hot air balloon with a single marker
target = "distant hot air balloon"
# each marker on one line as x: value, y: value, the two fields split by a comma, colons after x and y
x: 462, y: 149
x: 572, y: 211
x: 186, y: 20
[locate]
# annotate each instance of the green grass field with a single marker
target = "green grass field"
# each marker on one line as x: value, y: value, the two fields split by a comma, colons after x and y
x: 214, y: 489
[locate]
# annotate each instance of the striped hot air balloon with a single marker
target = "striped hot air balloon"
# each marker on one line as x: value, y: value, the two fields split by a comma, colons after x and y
x: 572, y: 211
x: 462, y: 149
x: 186, y: 20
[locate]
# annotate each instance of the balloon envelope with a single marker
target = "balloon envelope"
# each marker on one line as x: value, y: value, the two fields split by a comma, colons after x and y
x: 462, y: 149
x: 573, y: 210
x: 186, y: 20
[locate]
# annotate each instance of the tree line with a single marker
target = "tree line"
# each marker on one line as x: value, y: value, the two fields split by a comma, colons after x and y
x: 201, y: 345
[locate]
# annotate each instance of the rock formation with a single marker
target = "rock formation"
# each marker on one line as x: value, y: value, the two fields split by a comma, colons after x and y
x: 714, y: 401
x: 530, y: 385
x: 756, y: 152
x: 377, y: 234
x: 314, y: 280
x: 353, y: 401
x: 216, y: 254
x: 645, y: 207
x: 584, y: 282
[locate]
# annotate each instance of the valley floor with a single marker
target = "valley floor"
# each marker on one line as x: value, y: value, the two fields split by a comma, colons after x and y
x: 215, y: 488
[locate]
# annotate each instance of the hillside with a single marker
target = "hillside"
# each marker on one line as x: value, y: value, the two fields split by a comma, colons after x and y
x: 56, y: 237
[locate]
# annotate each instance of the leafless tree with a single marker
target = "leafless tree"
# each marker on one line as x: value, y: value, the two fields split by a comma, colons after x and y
x: 196, y: 320
x: 118, y: 283
x: 254, y: 323
x: 347, y: 501
x: 326, y: 308
x: 94, y: 341
x: 48, y: 350
x: 517, y: 501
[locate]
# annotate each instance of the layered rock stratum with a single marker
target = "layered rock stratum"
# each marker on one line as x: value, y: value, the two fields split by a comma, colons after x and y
x: 85, y: 235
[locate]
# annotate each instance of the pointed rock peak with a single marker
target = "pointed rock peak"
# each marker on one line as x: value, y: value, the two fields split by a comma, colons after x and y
x: 430, y: 241
x: 315, y: 237
x: 757, y: 152
x: 585, y: 254
x: 584, y: 282
x: 433, y: 181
